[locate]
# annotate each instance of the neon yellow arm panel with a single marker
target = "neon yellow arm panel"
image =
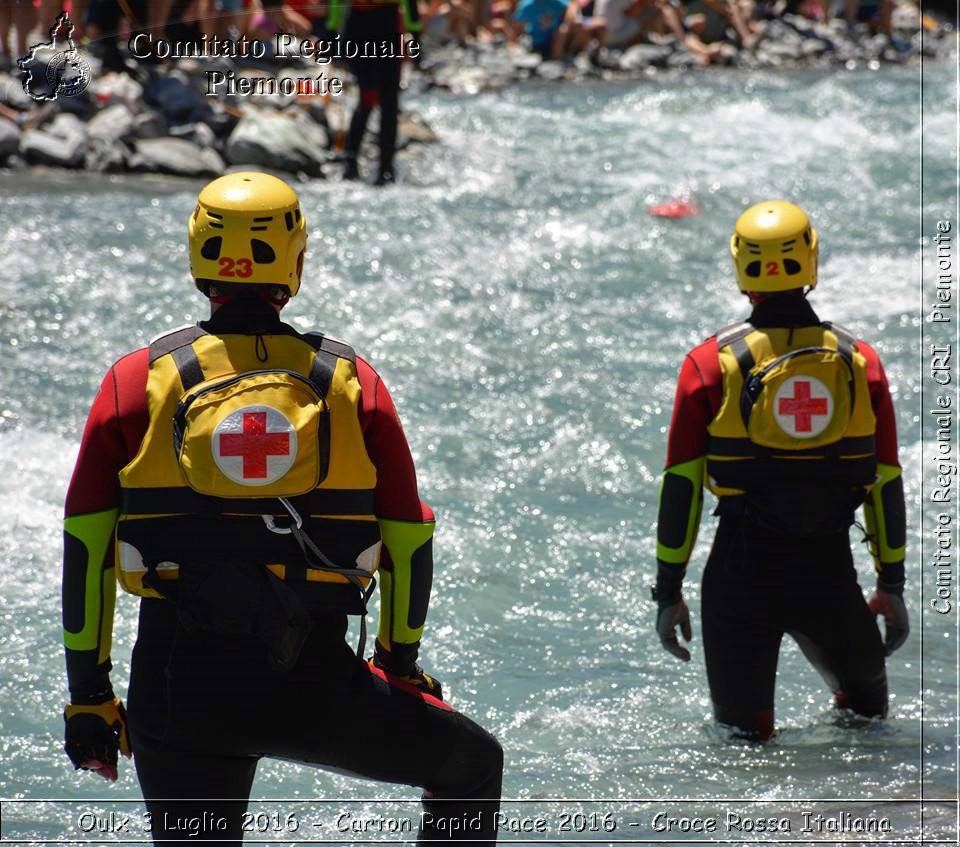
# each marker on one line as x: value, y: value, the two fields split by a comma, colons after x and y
x: 411, y: 16
x: 884, y: 512
x: 89, y: 595
x: 678, y: 519
x: 406, y: 576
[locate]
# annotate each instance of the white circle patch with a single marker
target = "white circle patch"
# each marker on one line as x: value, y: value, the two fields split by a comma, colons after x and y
x: 803, y: 406
x: 255, y: 445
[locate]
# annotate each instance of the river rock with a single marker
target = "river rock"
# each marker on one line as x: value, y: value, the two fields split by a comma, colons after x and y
x: 111, y: 124
x: 12, y: 93
x: 175, y: 156
x: 9, y: 139
x: 199, y: 134
x: 106, y: 155
x: 267, y: 137
x: 63, y: 142
x: 46, y: 147
x: 116, y: 88
x: 149, y: 124
x: 642, y: 55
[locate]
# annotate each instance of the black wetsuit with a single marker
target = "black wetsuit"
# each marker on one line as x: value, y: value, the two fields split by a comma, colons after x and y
x: 756, y: 588
x: 205, y: 708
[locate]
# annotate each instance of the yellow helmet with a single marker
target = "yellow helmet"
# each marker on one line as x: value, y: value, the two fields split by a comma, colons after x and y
x: 774, y: 248
x: 248, y: 228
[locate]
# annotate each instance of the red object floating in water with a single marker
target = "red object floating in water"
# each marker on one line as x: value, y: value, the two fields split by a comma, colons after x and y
x: 674, y: 209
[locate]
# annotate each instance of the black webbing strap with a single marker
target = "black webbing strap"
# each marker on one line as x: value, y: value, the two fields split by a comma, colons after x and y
x: 326, y: 352
x: 321, y: 371
x: 745, y: 448
x: 179, y: 344
x: 846, y: 345
x: 188, y: 366
x: 319, y: 341
x: 734, y: 336
x: 172, y: 340
x: 181, y: 500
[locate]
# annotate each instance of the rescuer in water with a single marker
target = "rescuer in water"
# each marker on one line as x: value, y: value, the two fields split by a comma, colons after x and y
x: 789, y: 421
x: 249, y: 482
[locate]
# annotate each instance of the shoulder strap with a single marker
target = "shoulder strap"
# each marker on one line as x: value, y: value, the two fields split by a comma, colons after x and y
x: 179, y: 344
x: 846, y: 345
x: 733, y: 336
x: 319, y: 341
x: 326, y: 352
x: 846, y: 340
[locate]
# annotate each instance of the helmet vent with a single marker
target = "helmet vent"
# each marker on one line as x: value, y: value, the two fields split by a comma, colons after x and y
x: 211, y: 248
x: 753, y: 248
x: 262, y: 252
x: 214, y: 219
x: 791, y: 267
x: 806, y: 237
x: 788, y: 245
x: 297, y: 214
x: 753, y: 269
x: 288, y: 218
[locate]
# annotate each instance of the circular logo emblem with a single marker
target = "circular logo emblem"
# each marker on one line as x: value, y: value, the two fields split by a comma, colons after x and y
x: 803, y: 406
x: 255, y: 445
x: 68, y: 73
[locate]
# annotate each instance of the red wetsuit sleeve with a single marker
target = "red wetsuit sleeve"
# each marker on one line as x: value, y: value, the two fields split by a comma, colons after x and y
x: 396, y: 493
x: 698, y: 397
x: 112, y: 435
x: 882, y: 403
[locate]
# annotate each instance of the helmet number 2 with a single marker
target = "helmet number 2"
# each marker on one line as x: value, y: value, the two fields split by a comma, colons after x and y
x: 235, y: 267
x: 773, y: 268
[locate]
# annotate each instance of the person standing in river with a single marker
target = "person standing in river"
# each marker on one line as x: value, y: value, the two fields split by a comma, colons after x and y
x: 789, y: 421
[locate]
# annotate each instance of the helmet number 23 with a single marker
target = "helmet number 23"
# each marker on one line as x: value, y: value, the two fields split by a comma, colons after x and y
x: 235, y: 267
x: 773, y: 268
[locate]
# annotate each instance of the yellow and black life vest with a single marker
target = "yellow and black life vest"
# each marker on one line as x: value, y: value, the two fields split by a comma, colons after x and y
x: 795, y: 419
x: 248, y: 438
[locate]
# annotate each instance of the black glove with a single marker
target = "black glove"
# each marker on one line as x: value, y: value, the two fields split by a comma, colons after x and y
x: 406, y: 670
x: 888, y: 601
x: 94, y: 734
x: 668, y: 619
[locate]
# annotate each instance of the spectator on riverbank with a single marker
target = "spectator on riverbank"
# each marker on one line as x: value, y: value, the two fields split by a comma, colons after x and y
x: 558, y: 29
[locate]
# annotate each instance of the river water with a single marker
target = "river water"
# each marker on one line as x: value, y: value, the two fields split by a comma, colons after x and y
x: 530, y: 319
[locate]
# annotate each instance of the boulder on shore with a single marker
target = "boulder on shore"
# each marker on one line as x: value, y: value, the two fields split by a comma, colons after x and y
x: 279, y: 140
x: 175, y: 156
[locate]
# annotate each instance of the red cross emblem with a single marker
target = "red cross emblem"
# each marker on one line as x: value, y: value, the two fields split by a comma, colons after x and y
x: 808, y: 410
x: 247, y: 439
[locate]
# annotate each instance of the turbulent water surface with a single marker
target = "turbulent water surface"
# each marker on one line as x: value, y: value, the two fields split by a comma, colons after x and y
x: 530, y: 319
